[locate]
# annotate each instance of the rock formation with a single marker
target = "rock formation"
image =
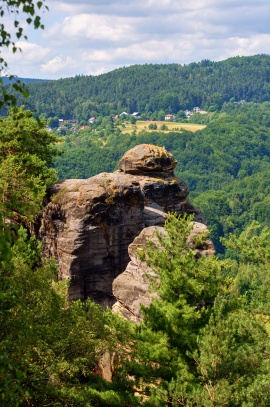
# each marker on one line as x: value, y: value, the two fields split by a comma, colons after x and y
x: 88, y: 225
x: 131, y: 288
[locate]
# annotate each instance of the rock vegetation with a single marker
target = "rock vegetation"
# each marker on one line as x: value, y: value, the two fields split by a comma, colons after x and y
x: 131, y: 288
x: 89, y: 224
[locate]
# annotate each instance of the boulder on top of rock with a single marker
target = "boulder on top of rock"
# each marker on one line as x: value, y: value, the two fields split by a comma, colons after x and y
x: 147, y: 158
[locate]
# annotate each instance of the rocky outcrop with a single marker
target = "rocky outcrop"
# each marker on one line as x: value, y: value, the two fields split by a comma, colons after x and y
x: 147, y: 158
x: 131, y: 288
x: 88, y: 225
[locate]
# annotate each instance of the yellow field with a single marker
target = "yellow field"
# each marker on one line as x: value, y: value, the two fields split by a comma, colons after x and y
x: 172, y: 126
x: 267, y: 326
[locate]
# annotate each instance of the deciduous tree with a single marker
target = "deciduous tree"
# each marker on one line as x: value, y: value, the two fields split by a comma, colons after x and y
x: 27, y: 150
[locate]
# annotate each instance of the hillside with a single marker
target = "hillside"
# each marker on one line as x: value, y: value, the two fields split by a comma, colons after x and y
x: 153, y: 88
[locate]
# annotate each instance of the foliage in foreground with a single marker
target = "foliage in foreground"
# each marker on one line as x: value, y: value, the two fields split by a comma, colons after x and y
x: 26, y: 151
x: 200, y: 344
x: 49, y: 347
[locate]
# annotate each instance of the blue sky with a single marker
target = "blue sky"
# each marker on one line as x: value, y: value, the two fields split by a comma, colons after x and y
x: 91, y: 37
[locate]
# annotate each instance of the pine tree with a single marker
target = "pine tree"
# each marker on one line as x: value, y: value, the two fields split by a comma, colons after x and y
x: 199, y: 344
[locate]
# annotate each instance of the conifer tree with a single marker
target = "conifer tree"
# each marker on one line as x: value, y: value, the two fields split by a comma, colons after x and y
x: 199, y: 344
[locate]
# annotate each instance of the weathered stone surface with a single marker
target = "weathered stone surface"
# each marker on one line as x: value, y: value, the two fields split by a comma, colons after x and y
x: 88, y: 225
x: 154, y: 215
x: 166, y: 192
x: 147, y: 158
x: 131, y: 288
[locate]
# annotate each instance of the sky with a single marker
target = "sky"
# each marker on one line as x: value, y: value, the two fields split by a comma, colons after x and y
x: 91, y: 37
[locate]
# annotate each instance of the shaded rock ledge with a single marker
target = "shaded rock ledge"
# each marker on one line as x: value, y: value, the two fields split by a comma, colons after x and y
x: 88, y: 225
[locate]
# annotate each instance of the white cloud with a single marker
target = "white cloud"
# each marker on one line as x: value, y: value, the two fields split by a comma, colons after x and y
x: 59, y: 64
x: 249, y: 46
x: 85, y: 27
x: 90, y: 37
x: 27, y: 61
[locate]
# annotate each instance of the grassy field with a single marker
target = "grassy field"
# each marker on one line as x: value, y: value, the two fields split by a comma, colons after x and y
x: 268, y: 327
x: 172, y: 126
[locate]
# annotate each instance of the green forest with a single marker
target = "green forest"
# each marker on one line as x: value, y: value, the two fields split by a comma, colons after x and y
x: 204, y: 340
x: 153, y: 89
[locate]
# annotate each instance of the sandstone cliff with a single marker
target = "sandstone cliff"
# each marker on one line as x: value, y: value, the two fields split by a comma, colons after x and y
x: 89, y: 224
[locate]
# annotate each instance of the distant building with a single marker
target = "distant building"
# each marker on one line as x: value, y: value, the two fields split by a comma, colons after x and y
x: 124, y: 114
x: 203, y: 112
x: 92, y: 119
x: 170, y: 117
x: 62, y: 122
x: 136, y: 114
x: 196, y: 109
x: 241, y: 102
x: 115, y: 117
x: 84, y: 127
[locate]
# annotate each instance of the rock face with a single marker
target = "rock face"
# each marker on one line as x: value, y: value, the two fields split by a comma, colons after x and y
x: 147, y: 158
x: 131, y: 288
x: 88, y: 225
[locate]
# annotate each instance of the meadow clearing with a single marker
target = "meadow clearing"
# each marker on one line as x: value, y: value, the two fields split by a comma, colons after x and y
x: 172, y: 126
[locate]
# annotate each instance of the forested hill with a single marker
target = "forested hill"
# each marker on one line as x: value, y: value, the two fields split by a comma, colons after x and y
x: 154, y: 87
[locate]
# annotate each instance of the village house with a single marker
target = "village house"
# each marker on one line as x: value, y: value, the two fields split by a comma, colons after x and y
x: 170, y: 117
x: 136, y: 114
x: 188, y: 113
x: 203, y: 112
x: 124, y: 114
x: 84, y: 127
x: 62, y: 122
